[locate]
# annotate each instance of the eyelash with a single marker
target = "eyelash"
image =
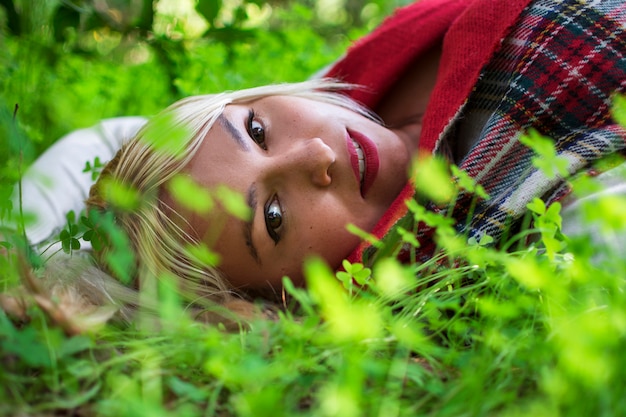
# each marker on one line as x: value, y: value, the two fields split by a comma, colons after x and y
x: 250, y: 129
x: 273, y: 204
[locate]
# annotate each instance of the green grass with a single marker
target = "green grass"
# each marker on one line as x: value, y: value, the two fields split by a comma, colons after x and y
x: 539, y: 330
x: 506, y: 334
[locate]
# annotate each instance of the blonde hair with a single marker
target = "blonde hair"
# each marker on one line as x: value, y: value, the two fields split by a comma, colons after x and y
x: 160, y: 244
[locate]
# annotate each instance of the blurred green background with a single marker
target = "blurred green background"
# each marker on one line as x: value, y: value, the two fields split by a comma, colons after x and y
x: 69, y: 63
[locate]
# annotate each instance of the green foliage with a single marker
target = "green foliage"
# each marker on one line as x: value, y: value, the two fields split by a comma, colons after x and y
x: 619, y: 109
x: 503, y: 333
x: 95, y: 168
x: 190, y: 195
x: 69, y: 235
x: 548, y: 221
x: 165, y: 137
x: 353, y: 274
x: 546, y: 158
x: 537, y: 331
x: 233, y: 203
x: 120, y: 195
x: 430, y: 176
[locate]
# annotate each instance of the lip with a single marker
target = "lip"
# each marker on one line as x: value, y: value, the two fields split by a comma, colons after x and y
x: 354, y: 159
x: 371, y: 159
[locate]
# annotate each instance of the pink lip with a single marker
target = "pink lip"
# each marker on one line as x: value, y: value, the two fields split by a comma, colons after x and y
x: 371, y: 159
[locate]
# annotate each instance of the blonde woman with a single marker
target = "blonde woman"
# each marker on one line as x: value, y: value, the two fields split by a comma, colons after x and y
x: 290, y: 150
x: 464, y: 79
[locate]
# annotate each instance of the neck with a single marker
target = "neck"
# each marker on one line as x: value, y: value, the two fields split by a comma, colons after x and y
x: 404, y: 105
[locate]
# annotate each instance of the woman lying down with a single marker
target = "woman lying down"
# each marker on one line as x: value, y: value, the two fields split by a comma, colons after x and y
x: 459, y: 79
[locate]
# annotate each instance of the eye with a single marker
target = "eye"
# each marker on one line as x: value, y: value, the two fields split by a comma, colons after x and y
x: 256, y: 130
x: 273, y: 218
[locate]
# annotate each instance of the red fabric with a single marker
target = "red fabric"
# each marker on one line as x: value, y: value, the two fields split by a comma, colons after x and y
x: 468, y: 46
x: 471, y: 30
x: 377, y: 60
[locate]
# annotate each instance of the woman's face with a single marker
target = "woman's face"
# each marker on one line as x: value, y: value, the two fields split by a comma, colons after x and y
x: 306, y: 169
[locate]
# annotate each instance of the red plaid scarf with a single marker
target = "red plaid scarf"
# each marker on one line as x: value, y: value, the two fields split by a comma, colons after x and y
x: 548, y: 65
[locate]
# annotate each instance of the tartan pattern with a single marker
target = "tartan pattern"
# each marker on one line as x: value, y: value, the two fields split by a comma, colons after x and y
x: 555, y: 72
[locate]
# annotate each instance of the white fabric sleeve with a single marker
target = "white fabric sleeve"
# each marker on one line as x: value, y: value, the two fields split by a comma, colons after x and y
x: 574, y: 216
x: 56, y: 183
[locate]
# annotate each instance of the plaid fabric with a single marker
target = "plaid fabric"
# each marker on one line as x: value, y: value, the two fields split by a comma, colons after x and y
x: 554, y: 72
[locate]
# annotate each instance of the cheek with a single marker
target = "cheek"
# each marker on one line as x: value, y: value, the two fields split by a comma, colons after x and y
x: 328, y: 216
x: 330, y: 240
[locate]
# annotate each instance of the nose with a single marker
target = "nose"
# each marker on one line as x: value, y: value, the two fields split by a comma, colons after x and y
x: 311, y: 159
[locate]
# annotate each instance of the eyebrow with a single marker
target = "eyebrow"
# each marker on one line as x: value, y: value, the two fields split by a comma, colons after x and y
x: 251, y: 200
x: 248, y: 226
x: 235, y: 134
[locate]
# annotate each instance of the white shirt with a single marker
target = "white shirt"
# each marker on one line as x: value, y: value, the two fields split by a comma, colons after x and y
x: 56, y: 184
